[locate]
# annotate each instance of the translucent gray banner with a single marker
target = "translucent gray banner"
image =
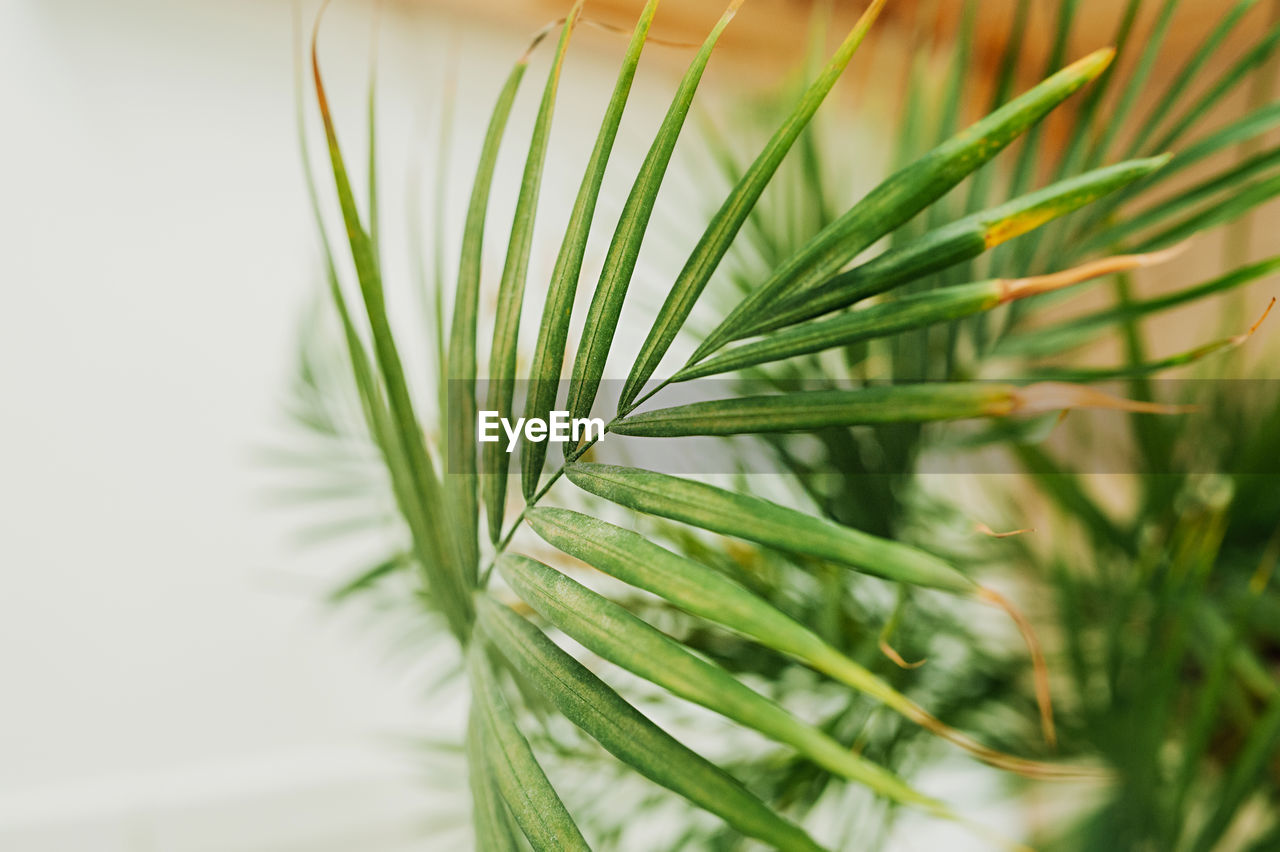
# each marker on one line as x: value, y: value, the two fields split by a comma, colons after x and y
x: 1219, y: 426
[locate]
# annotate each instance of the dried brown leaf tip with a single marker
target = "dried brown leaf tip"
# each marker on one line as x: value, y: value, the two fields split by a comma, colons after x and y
x: 614, y: 29
x: 1021, y: 288
x: 983, y: 529
x: 1040, y: 668
x: 892, y: 653
x: 1044, y: 397
x: 1241, y: 338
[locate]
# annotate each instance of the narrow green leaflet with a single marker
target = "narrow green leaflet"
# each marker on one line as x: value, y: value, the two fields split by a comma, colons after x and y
x: 934, y: 251
x: 514, y: 769
x: 814, y: 187
x: 433, y: 290
x: 1082, y: 148
x: 728, y: 220
x: 1146, y: 368
x: 803, y: 411
x: 1076, y: 332
x: 373, y: 406
x: 809, y: 410
x: 626, y: 733
x: 544, y: 376
x: 502, y: 361
x: 911, y: 136
x: 751, y: 518
x: 1135, y: 85
x: 370, y: 577
x: 461, y: 445
x: 609, y: 630
x: 1227, y: 181
x: 1188, y: 75
x: 624, y: 250
x: 491, y: 819
x: 695, y: 588
x: 1242, y: 201
x: 1032, y: 150
x: 701, y: 591
x: 980, y: 186
x: 725, y: 159
x: 883, y: 320
x: 704, y: 592
x: 953, y: 95
x: 1232, y: 77
x: 1085, y: 131
x: 421, y: 494
x: 906, y: 193
x: 1244, y: 129
x: 913, y: 312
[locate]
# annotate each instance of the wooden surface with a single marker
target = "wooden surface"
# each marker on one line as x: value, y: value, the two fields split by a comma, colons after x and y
x: 769, y: 32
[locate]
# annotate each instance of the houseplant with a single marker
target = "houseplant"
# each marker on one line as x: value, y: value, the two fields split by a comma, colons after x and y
x: 786, y: 606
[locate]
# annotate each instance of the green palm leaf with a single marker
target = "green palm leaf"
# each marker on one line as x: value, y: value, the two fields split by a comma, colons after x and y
x: 502, y: 361
x: 620, y: 263
x: 773, y: 234
x: 590, y: 704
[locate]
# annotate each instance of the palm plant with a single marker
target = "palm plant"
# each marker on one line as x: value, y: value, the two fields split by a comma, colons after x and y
x: 785, y: 589
x: 1167, y: 649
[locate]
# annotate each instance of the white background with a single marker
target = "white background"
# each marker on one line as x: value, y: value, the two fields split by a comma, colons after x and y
x: 168, y: 678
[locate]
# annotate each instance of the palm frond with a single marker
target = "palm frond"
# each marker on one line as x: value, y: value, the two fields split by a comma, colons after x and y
x: 797, y: 301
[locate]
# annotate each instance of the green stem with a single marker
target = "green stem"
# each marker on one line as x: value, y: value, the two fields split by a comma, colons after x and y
x: 500, y: 547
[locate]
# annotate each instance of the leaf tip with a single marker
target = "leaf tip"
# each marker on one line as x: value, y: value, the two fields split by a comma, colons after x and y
x: 983, y: 529
x: 321, y: 98
x: 1040, y: 668
x: 537, y: 39
x: 1020, y: 288
x: 892, y: 653
x: 1090, y: 66
x: 1099, y: 60
x: 1241, y: 338
x: 1044, y: 397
